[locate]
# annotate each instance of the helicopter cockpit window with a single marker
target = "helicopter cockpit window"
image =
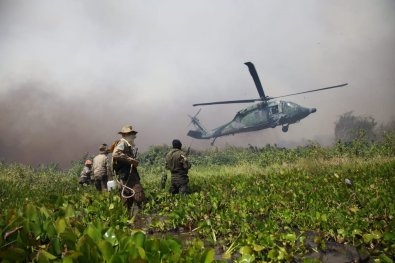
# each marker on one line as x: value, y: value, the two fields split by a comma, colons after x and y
x: 291, y: 104
x: 274, y: 109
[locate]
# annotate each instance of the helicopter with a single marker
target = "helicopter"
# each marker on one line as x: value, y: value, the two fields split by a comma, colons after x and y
x: 265, y: 113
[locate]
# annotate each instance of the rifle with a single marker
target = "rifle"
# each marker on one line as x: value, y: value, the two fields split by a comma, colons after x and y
x: 188, y: 151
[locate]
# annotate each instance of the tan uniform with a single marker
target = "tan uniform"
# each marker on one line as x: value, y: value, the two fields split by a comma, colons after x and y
x: 125, y: 167
x: 101, y: 170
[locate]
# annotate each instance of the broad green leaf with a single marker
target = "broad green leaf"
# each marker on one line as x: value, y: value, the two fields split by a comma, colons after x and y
x: 139, y: 238
x: 88, y: 248
x: 291, y: 237
x: 60, y: 225
x: 245, y: 250
x: 141, y: 252
x: 377, y: 234
x: 273, y: 254
x: 31, y: 212
x: 45, y: 256
x: 93, y: 232
x: 258, y: 247
x: 367, y: 238
x: 54, y: 246
x: 208, y: 256
x: 69, y: 211
x: 385, y: 259
x: 106, y: 249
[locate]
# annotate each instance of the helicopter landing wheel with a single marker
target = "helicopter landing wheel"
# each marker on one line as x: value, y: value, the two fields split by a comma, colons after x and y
x: 284, y: 128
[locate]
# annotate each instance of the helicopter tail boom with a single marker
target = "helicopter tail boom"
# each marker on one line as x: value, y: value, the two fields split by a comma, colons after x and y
x: 195, y: 134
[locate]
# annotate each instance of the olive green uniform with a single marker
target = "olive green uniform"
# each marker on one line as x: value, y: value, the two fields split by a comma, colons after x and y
x: 178, y: 165
x: 123, y: 158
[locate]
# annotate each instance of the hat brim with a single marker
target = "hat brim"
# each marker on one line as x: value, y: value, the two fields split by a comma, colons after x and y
x: 127, y: 132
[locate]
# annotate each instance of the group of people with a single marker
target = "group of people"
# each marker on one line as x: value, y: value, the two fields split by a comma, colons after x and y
x: 123, y: 167
x: 98, y: 171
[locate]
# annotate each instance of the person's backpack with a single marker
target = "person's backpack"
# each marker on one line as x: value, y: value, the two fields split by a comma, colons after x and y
x: 113, y: 145
x: 114, y: 167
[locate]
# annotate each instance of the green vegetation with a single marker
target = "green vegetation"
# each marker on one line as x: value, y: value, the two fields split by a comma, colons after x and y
x: 246, y: 205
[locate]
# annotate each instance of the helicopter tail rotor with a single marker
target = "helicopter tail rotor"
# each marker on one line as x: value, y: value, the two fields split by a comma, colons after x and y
x: 194, y: 117
x: 196, y: 122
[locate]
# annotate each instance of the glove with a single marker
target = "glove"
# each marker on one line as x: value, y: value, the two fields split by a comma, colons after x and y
x: 134, y: 162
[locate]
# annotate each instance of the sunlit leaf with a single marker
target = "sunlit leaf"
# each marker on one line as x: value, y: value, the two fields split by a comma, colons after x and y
x: 60, y: 225
x: 208, y: 256
x: 258, y: 247
x: 245, y: 250
x: 141, y: 252
x: 111, y: 237
x: 354, y: 209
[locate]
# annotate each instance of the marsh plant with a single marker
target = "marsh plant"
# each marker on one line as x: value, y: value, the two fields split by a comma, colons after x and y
x: 249, y: 204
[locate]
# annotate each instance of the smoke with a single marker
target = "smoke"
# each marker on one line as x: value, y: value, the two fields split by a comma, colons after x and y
x: 73, y: 73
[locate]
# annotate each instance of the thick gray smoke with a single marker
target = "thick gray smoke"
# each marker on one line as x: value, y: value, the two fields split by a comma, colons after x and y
x: 72, y: 73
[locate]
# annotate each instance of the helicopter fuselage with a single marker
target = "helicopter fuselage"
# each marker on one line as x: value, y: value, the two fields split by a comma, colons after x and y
x: 261, y: 116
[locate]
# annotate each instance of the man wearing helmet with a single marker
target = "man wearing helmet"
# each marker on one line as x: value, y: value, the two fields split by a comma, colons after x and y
x: 125, y: 166
x: 86, y: 172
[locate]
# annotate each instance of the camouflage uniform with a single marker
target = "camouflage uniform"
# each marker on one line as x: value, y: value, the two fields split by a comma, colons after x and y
x: 123, y: 158
x: 101, y: 169
x: 85, y: 177
x: 178, y: 165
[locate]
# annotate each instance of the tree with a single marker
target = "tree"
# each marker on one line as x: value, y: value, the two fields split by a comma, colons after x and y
x: 386, y: 129
x: 350, y: 127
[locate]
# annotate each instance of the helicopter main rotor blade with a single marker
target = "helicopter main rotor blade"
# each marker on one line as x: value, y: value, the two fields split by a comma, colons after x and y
x: 255, y: 77
x: 226, y: 102
x: 332, y: 87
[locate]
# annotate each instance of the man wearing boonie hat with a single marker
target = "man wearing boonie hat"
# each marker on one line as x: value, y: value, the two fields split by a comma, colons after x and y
x: 101, y: 168
x: 125, y: 166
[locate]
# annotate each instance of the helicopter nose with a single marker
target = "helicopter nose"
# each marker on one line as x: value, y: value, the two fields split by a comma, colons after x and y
x: 312, y: 110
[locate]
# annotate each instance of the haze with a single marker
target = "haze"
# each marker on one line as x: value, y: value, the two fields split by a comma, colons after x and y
x: 72, y: 73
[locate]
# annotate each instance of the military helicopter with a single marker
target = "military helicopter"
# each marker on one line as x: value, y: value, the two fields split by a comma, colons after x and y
x: 267, y: 113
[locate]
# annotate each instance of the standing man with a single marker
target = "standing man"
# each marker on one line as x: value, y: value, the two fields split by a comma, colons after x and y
x: 125, y: 167
x: 101, y: 169
x: 178, y: 164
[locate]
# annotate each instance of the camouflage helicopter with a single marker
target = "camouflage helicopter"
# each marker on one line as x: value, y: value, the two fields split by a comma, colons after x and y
x: 267, y: 113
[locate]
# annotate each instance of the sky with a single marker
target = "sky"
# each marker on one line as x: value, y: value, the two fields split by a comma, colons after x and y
x: 72, y: 73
